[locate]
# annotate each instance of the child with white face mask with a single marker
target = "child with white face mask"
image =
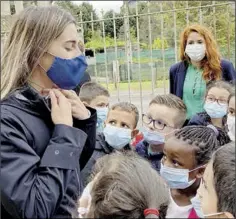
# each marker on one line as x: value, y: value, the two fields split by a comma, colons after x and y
x: 165, y: 114
x: 185, y: 157
x: 231, y: 117
x: 215, y: 105
x: 96, y: 96
x: 120, y: 128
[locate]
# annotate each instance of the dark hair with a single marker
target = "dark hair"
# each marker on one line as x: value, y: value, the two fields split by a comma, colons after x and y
x: 219, y: 84
x: 224, y: 178
x: 90, y: 90
x: 125, y: 186
x: 127, y: 107
x: 172, y: 102
x: 207, y: 139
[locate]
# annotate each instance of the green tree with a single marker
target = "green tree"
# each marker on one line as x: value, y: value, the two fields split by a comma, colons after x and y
x: 109, y: 27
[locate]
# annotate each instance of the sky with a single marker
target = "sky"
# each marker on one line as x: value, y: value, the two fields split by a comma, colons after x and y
x: 105, y: 5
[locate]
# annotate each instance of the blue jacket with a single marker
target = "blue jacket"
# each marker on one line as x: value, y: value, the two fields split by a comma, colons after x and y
x: 178, y: 72
x: 40, y: 161
x: 155, y: 160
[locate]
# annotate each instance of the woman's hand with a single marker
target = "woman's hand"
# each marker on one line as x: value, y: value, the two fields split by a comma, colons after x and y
x: 60, y: 108
x: 79, y: 111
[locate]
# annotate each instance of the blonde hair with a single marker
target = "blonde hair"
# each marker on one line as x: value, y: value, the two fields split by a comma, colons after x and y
x: 32, y: 32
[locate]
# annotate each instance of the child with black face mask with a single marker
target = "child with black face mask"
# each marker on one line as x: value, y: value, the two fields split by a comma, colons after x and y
x: 183, y: 164
x: 165, y: 114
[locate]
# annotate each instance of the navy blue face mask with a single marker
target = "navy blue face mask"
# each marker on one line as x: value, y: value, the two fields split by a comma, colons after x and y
x: 67, y: 73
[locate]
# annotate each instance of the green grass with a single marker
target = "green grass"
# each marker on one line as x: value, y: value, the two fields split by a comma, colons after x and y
x: 135, y: 86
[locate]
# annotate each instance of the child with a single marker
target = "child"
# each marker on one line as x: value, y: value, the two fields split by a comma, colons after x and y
x: 231, y: 117
x: 217, y: 190
x: 165, y: 114
x: 185, y: 156
x: 97, y: 97
x: 120, y: 128
x: 124, y: 188
x: 216, y: 105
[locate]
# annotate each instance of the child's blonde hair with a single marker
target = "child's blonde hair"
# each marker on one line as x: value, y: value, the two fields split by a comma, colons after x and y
x: 125, y: 186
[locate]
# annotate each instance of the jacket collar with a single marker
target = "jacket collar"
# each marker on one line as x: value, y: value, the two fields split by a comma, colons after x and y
x: 29, y: 100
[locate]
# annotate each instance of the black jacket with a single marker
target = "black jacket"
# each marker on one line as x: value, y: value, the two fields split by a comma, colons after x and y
x: 101, y: 149
x: 40, y: 161
x: 178, y: 72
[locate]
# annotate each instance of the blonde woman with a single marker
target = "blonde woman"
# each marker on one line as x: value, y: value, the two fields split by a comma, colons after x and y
x: 47, y: 134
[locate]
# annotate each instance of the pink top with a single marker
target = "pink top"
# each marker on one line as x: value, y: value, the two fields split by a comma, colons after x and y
x: 193, y: 214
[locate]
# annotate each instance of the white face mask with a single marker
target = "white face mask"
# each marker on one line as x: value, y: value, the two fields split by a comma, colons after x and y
x: 231, y: 127
x: 196, y: 52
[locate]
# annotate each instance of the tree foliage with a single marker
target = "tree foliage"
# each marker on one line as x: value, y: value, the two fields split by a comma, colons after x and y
x: 223, y: 18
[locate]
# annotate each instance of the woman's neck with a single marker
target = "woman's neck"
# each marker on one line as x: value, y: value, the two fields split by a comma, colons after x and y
x: 39, y: 80
x: 217, y: 122
x: 196, y: 64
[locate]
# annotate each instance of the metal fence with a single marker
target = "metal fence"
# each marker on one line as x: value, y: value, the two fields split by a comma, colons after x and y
x: 135, y: 73
x: 123, y: 70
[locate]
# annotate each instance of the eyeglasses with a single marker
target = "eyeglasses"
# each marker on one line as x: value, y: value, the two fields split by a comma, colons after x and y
x: 211, y: 99
x: 157, y: 124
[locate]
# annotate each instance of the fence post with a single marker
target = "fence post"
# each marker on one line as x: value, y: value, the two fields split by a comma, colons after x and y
x: 150, y: 46
x: 228, y: 32
x: 214, y: 18
x: 105, y: 49
x: 187, y: 13
x: 163, y: 48
x: 117, y: 76
x: 175, y: 34
x: 127, y: 44
x: 200, y: 12
x: 94, y: 50
x: 139, y: 65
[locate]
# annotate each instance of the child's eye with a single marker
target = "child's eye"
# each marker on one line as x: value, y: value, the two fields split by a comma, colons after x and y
x: 125, y: 126
x: 175, y: 163
x: 112, y: 122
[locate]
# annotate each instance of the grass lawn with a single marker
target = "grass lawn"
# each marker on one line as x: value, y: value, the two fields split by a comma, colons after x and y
x: 135, y: 86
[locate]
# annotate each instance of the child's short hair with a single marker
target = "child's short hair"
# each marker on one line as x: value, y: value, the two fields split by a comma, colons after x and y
x: 173, y: 102
x: 219, y: 84
x: 90, y: 90
x: 127, y: 107
x: 224, y: 178
x: 206, y: 138
x: 125, y: 186
x: 231, y: 95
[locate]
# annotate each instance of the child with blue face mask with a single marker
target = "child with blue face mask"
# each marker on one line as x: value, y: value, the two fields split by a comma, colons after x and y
x: 185, y: 157
x: 216, y: 194
x: 94, y: 95
x: 165, y: 114
x: 215, y: 105
x: 120, y: 128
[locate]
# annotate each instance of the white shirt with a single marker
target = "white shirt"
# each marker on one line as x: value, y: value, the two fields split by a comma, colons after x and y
x: 175, y: 211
